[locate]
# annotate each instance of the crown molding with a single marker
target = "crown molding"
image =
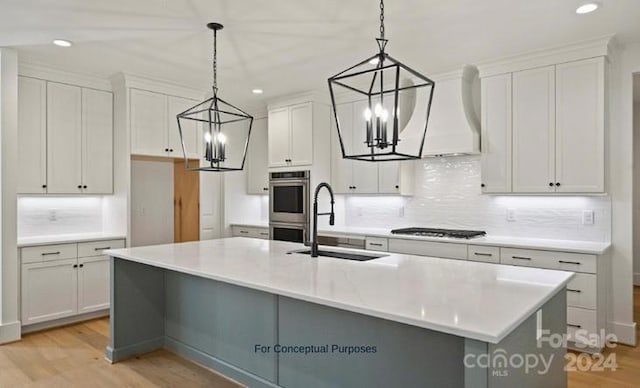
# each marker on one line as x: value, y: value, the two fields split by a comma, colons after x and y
x: 598, y: 47
x: 45, y: 72
x: 317, y: 96
x: 123, y: 80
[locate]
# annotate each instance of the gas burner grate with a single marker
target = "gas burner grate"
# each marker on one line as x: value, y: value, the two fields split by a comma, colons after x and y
x: 434, y: 232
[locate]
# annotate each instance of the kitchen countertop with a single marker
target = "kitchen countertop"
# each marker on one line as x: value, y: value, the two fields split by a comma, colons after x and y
x: 588, y: 247
x: 67, y: 238
x: 468, y: 299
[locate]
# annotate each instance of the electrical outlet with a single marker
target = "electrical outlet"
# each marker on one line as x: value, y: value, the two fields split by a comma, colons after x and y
x: 53, y: 215
x: 511, y: 215
x: 401, y: 211
x: 588, y: 217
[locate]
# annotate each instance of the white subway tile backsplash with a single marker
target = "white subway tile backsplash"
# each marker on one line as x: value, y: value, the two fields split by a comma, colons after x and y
x: 72, y: 215
x: 447, y: 194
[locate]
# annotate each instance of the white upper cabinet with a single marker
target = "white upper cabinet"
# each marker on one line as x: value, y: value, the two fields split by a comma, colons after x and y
x: 546, y: 130
x: 97, y: 142
x: 257, y: 173
x: 278, y: 126
x: 149, y: 131
x: 580, y: 92
x: 496, y: 134
x: 342, y: 169
x: 190, y: 128
x: 32, y: 138
x: 64, y: 139
x: 291, y: 135
x: 534, y: 130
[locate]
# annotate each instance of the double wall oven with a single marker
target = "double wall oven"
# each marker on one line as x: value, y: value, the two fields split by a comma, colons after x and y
x: 289, y: 206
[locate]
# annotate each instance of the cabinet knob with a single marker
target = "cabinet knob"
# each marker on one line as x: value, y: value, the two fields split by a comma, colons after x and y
x: 81, y: 265
x: 397, y: 186
x: 166, y: 150
x: 79, y: 186
x: 84, y: 187
x: 75, y: 266
x: 481, y: 184
x: 557, y: 183
x: 265, y: 188
x: 550, y: 184
x: 44, y: 186
x: 170, y: 149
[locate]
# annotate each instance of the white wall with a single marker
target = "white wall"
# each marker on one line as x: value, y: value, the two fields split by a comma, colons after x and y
x: 240, y: 207
x: 151, y: 202
x: 636, y: 184
x: 45, y: 216
x: 447, y: 194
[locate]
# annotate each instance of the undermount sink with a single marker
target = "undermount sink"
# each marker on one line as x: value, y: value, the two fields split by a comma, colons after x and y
x: 341, y: 255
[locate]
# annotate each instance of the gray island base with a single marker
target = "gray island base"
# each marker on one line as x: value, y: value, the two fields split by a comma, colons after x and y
x: 262, y: 339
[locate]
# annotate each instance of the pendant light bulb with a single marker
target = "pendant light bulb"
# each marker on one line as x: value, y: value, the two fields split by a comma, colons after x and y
x: 378, y: 110
x: 207, y: 137
x: 367, y: 114
x: 384, y: 115
x: 222, y: 139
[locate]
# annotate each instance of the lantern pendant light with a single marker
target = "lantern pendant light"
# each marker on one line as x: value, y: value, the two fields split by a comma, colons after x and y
x: 214, y: 129
x: 381, y: 107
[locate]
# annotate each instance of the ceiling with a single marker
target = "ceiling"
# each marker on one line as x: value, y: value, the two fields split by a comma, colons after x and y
x: 286, y: 46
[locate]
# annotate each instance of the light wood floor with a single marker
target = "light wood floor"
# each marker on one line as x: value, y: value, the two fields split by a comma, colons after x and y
x: 73, y: 356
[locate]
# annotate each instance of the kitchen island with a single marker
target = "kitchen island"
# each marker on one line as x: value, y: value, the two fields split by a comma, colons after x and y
x: 264, y: 316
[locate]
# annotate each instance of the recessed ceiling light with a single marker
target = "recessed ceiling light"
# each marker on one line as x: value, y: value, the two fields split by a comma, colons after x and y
x: 62, y: 43
x: 587, y: 8
x: 257, y: 91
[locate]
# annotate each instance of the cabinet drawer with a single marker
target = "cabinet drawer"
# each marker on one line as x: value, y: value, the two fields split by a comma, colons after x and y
x: 575, y: 262
x: 95, y: 248
x: 581, y: 291
x: 377, y: 244
x: 580, y: 319
x: 483, y: 253
x: 429, y: 248
x: 243, y: 231
x: 48, y: 253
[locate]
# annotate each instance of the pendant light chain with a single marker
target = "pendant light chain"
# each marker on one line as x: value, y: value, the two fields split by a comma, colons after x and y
x: 215, y: 61
x: 381, y: 19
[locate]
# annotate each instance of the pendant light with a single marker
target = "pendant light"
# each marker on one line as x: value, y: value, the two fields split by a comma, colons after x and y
x: 381, y: 107
x: 214, y: 129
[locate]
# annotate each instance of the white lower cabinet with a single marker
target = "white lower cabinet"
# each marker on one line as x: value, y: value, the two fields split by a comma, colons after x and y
x: 63, y: 280
x: 93, y: 284
x: 49, y: 290
x: 252, y: 232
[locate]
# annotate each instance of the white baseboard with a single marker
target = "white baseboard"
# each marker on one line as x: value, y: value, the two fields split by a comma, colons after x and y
x: 9, y: 332
x: 626, y: 332
x: 636, y: 279
x: 64, y: 321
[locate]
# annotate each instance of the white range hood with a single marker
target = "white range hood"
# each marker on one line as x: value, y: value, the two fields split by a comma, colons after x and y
x: 454, y: 122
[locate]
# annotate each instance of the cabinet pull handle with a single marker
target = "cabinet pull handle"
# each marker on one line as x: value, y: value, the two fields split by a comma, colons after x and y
x: 264, y: 233
x: 483, y: 254
x: 265, y: 188
x: 572, y: 290
x: 101, y: 249
x: 572, y: 325
x: 376, y: 244
x: 244, y: 232
x: 50, y: 253
x: 520, y: 258
x: 569, y: 262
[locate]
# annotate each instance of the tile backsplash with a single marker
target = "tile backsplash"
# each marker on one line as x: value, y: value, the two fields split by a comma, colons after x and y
x: 447, y: 194
x: 44, y: 216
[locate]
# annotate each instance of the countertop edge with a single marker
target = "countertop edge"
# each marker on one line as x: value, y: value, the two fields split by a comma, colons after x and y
x: 55, y: 240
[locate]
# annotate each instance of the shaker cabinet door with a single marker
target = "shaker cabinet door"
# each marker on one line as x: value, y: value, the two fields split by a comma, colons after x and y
x: 32, y: 136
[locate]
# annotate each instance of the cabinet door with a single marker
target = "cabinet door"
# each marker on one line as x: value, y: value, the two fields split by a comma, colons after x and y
x: 389, y: 178
x: 148, y: 123
x: 257, y: 174
x: 301, y: 143
x: 32, y: 136
x: 190, y: 129
x: 365, y: 174
x: 49, y: 290
x: 93, y: 284
x: 534, y: 130
x: 97, y: 142
x: 496, y: 134
x: 278, y: 139
x: 580, y: 92
x: 342, y: 169
x: 64, y: 139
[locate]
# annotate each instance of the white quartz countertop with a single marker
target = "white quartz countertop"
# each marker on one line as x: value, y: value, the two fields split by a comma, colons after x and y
x: 66, y: 238
x: 588, y: 247
x: 468, y: 299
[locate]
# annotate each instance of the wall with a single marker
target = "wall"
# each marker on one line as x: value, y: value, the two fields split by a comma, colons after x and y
x: 151, y: 202
x: 636, y: 181
x: 447, y: 194
x: 240, y: 207
x: 45, y: 216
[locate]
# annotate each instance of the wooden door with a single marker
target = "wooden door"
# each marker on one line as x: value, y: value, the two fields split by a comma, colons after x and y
x: 186, y: 191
